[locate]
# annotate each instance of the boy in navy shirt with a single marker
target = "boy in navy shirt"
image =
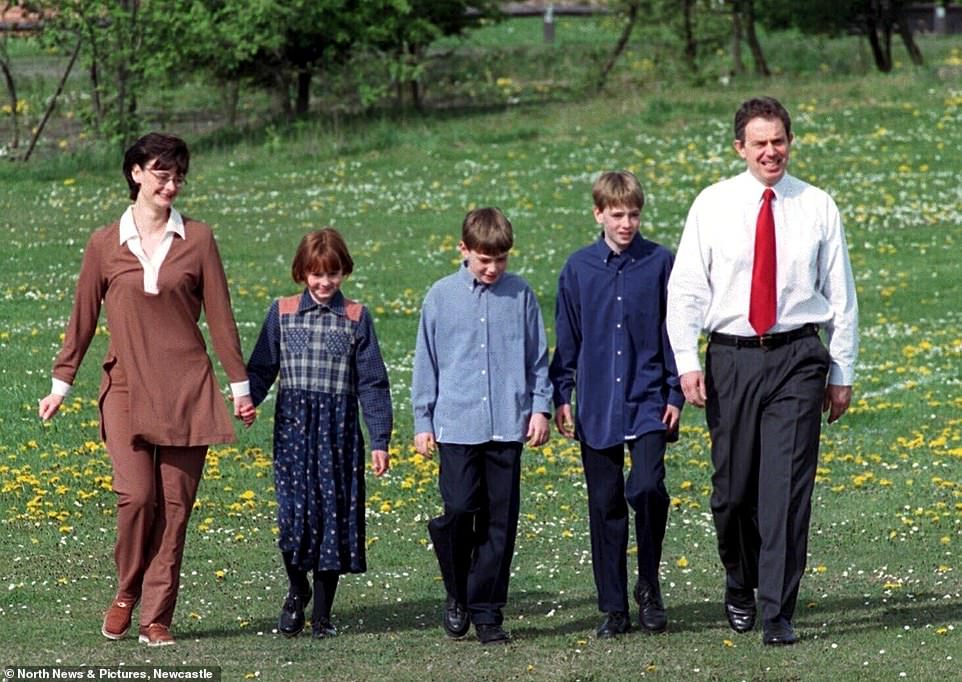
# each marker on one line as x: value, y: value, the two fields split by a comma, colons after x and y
x: 613, y: 350
x: 480, y: 391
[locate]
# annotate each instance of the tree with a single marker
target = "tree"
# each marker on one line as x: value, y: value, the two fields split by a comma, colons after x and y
x: 409, y: 26
x: 743, y: 21
x: 877, y: 20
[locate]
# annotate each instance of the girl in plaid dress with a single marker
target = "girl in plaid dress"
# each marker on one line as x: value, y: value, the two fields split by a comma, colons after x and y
x: 324, y: 348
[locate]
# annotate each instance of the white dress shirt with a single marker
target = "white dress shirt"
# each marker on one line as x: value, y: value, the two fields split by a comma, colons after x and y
x: 710, y: 283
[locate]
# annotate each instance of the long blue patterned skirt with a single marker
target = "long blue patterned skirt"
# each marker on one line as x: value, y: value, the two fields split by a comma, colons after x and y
x: 319, y: 461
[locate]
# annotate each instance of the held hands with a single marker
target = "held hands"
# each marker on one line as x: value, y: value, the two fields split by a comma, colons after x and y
x: 564, y: 421
x: 244, y: 409
x: 837, y: 400
x: 48, y: 406
x: 380, y: 462
x: 693, y: 386
x: 538, y: 430
x: 425, y: 444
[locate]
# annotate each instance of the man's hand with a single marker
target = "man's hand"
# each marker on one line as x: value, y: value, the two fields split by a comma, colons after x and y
x: 425, y: 444
x: 837, y: 400
x: 564, y: 421
x: 538, y: 430
x: 693, y: 386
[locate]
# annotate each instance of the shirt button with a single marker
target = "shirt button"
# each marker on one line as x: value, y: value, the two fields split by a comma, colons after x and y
x: 482, y: 345
x: 618, y: 325
x: 484, y: 371
x: 619, y: 352
x: 482, y: 319
x: 484, y: 400
x: 618, y: 298
x: 618, y: 379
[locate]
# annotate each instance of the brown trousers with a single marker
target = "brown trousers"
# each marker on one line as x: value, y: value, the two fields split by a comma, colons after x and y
x: 156, y: 486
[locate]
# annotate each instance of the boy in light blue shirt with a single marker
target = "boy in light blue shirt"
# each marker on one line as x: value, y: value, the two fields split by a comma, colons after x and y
x: 480, y: 392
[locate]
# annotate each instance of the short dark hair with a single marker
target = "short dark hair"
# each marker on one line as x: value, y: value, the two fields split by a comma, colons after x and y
x: 487, y: 231
x: 761, y: 107
x: 168, y: 153
x: 617, y: 189
x: 321, y: 251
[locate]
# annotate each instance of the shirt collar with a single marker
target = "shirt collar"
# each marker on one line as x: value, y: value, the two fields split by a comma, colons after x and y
x: 754, y: 188
x: 128, y: 230
x: 469, y: 279
x: 601, y: 249
x: 336, y: 305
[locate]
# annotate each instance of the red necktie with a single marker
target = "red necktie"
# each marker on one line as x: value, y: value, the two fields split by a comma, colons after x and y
x: 761, y: 310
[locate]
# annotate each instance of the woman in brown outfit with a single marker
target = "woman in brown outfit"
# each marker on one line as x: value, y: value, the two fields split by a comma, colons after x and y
x: 160, y: 407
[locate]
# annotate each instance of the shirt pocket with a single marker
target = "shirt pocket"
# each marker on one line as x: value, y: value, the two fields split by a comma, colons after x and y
x: 338, y: 342
x: 298, y: 339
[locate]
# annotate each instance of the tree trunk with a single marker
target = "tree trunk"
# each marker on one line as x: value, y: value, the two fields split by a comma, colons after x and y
x: 52, y: 103
x: 883, y: 57
x: 633, y: 8
x: 232, y: 99
x: 761, y: 66
x: 915, y: 54
x: 691, y: 44
x: 14, y: 113
x: 303, y: 103
x: 738, y: 66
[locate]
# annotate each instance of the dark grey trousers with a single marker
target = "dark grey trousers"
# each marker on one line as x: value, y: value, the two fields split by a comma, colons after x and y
x: 764, y: 415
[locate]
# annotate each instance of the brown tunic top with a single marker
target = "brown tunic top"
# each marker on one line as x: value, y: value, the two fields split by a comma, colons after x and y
x: 155, y: 338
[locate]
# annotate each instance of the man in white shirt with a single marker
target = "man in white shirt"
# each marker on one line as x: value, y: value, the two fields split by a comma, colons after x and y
x: 763, y: 266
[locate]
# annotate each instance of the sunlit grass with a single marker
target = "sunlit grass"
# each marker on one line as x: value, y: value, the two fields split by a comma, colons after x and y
x: 882, y: 590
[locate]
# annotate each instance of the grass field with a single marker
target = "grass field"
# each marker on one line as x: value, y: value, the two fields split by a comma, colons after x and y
x: 882, y: 598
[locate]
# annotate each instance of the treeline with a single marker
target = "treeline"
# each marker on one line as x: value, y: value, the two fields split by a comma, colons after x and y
x: 126, y: 48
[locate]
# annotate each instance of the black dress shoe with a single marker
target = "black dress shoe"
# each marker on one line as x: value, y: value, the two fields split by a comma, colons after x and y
x: 652, y: 617
x: 491, y: 634
x: 616, y: 623
x: 455, y: 620
x: 741, y: 619
x: 291, y: 621
x: 322, y: 628
x: 779, y: 632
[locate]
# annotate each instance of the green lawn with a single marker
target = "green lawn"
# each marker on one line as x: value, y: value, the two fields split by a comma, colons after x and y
x: 881, y: 599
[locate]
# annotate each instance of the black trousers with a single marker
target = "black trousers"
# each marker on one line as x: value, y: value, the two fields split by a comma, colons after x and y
x: 608, y: 500
x: 764, y: 416
x: 474, y: 537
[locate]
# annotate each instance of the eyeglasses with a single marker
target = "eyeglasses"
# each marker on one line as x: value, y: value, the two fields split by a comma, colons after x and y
x: 163, y: 177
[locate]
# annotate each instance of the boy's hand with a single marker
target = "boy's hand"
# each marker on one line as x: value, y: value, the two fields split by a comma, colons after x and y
x: 47, y: 407
x: 380, y: 462
x: 564, y: 421
x: 538, y: 430
x: 693, y: 386
x: 425, y: 444
x: 671, y: 418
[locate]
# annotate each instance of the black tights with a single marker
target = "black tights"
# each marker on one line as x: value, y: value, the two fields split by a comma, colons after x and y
x: 325, y: 586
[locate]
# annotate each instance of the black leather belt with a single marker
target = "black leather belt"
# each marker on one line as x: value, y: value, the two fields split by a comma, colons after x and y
x: 766, y: 341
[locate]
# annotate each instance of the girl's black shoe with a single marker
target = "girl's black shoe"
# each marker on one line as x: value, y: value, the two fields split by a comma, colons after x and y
x: 322, y: 628
x: 291, y: 621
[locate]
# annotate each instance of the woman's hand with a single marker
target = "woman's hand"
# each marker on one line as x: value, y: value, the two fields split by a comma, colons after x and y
x: 244, y: 409
x: 48, y: 406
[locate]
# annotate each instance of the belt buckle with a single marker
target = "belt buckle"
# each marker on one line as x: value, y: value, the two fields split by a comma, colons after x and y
x: 765, y: 342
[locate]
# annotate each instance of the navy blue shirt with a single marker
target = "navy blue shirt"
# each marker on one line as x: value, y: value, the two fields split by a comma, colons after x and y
x: 612, y: 346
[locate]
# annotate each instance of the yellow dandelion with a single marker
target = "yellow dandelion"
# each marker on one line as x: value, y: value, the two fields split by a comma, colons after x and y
x: 682, y: 562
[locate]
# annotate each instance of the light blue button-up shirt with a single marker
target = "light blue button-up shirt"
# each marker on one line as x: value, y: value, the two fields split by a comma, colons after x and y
x: 481, y: 360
